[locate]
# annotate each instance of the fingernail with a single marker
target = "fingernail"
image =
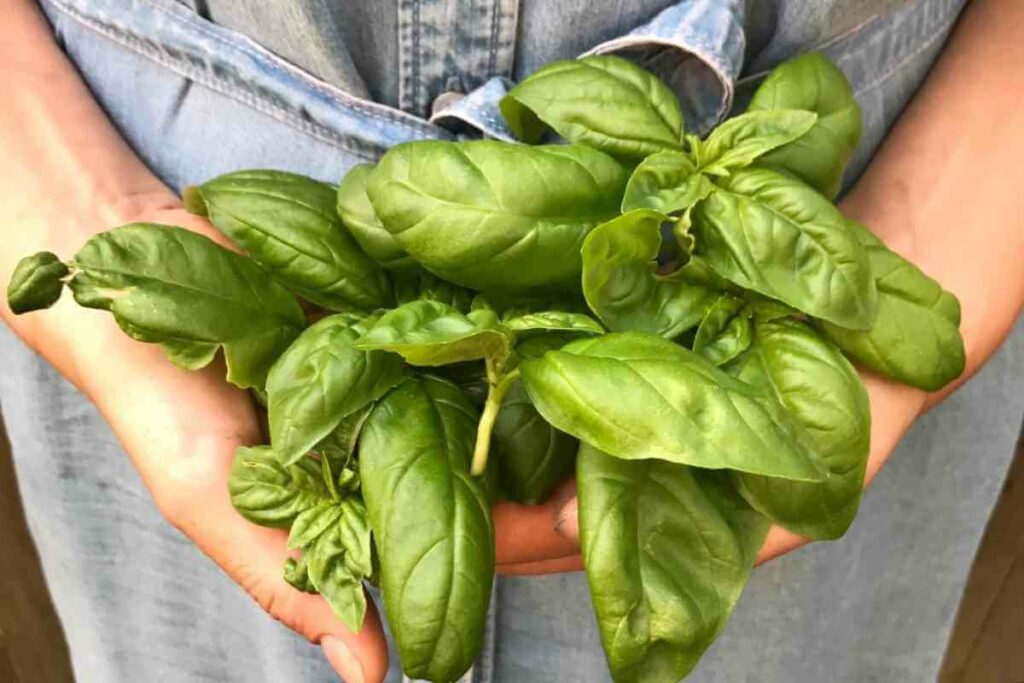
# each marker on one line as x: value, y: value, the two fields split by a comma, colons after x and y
x: 342, y: 659
x: 566, y: 521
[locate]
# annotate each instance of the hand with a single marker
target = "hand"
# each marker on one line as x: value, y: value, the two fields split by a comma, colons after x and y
x: 181, y: 430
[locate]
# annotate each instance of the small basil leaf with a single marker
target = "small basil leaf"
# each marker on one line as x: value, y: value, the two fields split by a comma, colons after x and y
x: 321, y: 379
x: 916, y: 337
x: 417, y: 284
x: 725, y: 331
x: 432, y: 525
x: 490, y: 215
x: 339, y: 446
x: 742, y: 139
x: 532, y: 456
x: 308, y: 526
x: 354, y: 534
x: 432, y: 333
x: 296, y: 573
x: 553, y: 321
x: 288, y: 224
x: 358, y: 216
x: 812, y: 83
x: 826, y: 397
x: 621, y: 283
x: 780, y: 238
x: 178, y: 288
x: 640, y: 396
x: 667, y: 182
x: 602, y: 101
x: 269, y: 493
x: 668, y: 550
x: 36, y: 283
x: 334, y: 579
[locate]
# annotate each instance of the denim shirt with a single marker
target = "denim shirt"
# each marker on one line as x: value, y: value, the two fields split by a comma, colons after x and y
x: 203, y: 87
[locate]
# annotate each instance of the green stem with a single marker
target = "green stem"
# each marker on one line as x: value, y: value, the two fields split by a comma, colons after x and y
x: 325, y: 472
x: 495, y: 394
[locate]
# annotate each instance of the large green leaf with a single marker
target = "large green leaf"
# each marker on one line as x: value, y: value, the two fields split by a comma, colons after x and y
x: 667, y: 182
x: 36, y: 283
x: 621, y: 283
x: 288, y: 223
x: 640, y: 396
x: 601, y: 101
x: 812, y: 83
x: 824, y: 394
x: 532, y: 456
x: 269, y: 493
x: 487, y: 214
x: 916, y: 336
x: 178, y: 288
x: 321, y: 379
x: 432, y: 333
x: 432, y: 525
x: 742, y: 139
x: 358, y: 216
x: 668, y: 550
x: 776, y: 236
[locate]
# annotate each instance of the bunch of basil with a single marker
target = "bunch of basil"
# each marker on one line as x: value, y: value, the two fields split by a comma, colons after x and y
x: 507, y: 299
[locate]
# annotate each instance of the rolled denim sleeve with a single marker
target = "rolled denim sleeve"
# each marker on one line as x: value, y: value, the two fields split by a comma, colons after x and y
x: 696, y: 47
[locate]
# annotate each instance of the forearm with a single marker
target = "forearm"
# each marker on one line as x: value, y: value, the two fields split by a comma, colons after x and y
x: 945, y: 188
x: 65, y: 173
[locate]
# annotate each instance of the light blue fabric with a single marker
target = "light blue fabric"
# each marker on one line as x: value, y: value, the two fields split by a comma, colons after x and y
x: 195, y: 99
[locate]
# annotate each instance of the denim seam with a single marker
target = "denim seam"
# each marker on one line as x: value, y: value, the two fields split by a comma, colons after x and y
x: 941, y: 32
x: 371, y: 109
x: 254, y: 99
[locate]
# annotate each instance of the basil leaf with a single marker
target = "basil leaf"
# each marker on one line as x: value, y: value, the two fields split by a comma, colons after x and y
x: 310, y: 523
x: 358, y: 216
x: 778, y: 237
x: 826, y: 397
x: 621, y: 284
x: 36, y: 283
x: 321, y: 379
x: 487, y: 214
x: 725, y: 331
x: 296, y: 573
x: 339, y: 446
x: 916, y: 336
x: 640, y: 396
x: 432, y: 525
x: 553, y: 321
x: 602, y: 101
x: 330, y: 570
x: 178, y: 288
x: 269, y: 493
x: 667, y: 182
x: 417, y: 284
x: 813, y: 83
x: 668, y: 550
x: 432, y: 333
x: 539, y: 344
x: 742, y: 139
x: 532, y: 456
x: 288, y: 224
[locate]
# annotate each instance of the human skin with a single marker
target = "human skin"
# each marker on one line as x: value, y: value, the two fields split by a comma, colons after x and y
x: 942, y: 192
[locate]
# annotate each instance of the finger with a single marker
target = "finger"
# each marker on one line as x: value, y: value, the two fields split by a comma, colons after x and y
x: 558, y: 565
x: 528, y: 533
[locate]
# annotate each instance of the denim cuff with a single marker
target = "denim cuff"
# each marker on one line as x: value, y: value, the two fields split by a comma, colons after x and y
x: 695, y: 46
